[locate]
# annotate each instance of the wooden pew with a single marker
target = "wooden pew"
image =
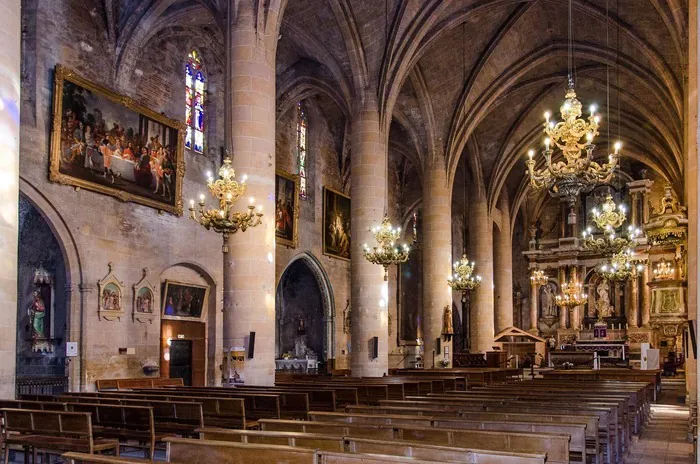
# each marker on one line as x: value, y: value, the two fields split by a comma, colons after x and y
x: 556, y: 446
x: 122, y: 422
x: 83, y: 458
x: 171, y: 417
x: 52, y: 432
x: 366, y: 393
x: 257, y: 405
x: 37, y: 405
x: 607, y: 417
x: 592, y: 440
x: 370, y: 446
x: 218, y: 412
x: 142, y: 382
x: 292, y: 403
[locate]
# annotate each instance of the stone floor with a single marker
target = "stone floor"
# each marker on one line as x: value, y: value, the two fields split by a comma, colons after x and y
x: 664, y: 440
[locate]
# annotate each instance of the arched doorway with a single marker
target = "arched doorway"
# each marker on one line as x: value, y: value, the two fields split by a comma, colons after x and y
x: 42, y: 304
x: 305, y: 311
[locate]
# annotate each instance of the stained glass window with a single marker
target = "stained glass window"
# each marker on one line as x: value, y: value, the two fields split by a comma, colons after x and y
x: 302, y: 126
x: 195, y: 81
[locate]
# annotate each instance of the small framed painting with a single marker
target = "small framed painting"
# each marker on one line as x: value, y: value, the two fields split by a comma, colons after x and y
x: 336, y: 224
x: 145, y: 304
x: 286, y: 209
x: 183, y: 301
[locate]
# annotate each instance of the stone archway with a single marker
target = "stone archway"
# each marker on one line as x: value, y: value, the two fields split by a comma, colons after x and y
x: 313, y: 266
x: 75, y: 316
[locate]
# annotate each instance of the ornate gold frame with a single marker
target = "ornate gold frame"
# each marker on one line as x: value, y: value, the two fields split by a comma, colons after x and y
x: 323, y: 224
x: 295, y: 232
x: 62, y: 74
x: 205, y: 305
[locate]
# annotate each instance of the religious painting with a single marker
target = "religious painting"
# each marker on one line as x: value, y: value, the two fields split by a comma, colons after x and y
x: 183, y: 300
x: 107, y: 143
x: 336, y: 224
x: 286, y: 209
x: 144, y: 306
x: 110, y: 305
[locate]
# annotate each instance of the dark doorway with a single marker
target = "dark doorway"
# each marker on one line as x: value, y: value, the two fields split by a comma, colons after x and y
x: 181, y: 361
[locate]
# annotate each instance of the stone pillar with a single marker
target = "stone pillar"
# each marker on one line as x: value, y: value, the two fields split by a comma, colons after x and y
x: 368, y: 193
x: 503, y: 252
x: 10, y: 32
x: 482, y: 304
x: 646, y: 297
x: 437, y: 256
x: 563, y: 311
x: 249, y: 267
x: 575, y: 321
x: 635, y: 218
x: 534, y: 299
x: 632, y: 309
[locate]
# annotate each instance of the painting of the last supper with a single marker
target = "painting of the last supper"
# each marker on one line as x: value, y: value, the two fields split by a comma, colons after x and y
x: 106, y: 143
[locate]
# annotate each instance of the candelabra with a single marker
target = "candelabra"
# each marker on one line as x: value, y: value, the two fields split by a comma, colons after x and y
x: 578, y: 172
x: 622, y: 266
x: 226, y: 190
x: 387, y: 251
x: 608, y: 218
x: 538, y: 277
x: 663, y: 270
x: 572, y: 295
x: 463, y: 279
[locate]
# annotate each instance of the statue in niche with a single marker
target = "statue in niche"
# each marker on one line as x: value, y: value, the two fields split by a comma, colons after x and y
x: 37, y: 312
x: 603, y: 302
x: 301, y: 325
x: 549, y: 308
x: 447, y: 329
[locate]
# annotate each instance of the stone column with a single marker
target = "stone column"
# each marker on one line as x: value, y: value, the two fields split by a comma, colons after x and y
x: 10, y: 32
x: 482, y: 304
x: 437, y: 255
x: 632, y: 308
x: 249, y: 267
x: 368, y: 193
x: 575, y: 321
x: 646, y: 297
x: 503, y: 252
x: 534, y: 299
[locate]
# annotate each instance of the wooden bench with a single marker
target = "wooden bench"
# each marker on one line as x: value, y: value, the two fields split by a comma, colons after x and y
x: 370, y: 446
x: 591, y: 438
x: 556, y: 446
x: 218, y: 412
x: 171, y: 417
x: 123, y: 422
x: 51, y: 432
x: 143, y: 382
x: 83, y: 458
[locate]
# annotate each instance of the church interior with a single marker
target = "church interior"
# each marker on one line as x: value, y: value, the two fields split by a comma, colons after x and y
x: 349, y: 231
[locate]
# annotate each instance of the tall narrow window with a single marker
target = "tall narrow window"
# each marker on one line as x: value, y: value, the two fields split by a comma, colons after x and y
x: 194, y: 103
x: 302, y: 126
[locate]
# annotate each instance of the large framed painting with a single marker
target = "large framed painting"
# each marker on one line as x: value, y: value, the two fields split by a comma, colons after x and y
x: 107, y: 143
x: 183, y: 301
x: 336, y: 224
x: 286, y: 209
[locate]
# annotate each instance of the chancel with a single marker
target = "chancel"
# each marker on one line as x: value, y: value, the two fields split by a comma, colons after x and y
x: 349, y: 231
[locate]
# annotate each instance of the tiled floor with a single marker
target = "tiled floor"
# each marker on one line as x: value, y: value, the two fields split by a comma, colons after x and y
x: 664, y: 440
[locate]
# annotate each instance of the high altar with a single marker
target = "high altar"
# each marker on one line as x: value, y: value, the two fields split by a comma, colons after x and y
x: 618, y: 316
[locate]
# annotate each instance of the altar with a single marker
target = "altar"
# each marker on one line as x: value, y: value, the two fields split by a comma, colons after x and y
x: 304, y: 366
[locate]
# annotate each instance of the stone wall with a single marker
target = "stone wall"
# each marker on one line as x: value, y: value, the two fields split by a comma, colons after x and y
x: 101, y: 228
x: 325, y: 132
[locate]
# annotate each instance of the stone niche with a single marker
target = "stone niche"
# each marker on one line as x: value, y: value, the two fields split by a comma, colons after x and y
x: 42, y: 275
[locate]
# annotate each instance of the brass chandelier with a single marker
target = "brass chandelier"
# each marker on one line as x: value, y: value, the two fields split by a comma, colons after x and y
x: 538, y: 277
x: 663, y: 270
x: 463, y: 280
x: 572, y: 295
x: 226, y: 190
x: 388, y: 251
x: 607, y: 219
x: 578, y: 172
x: 621, y: 267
